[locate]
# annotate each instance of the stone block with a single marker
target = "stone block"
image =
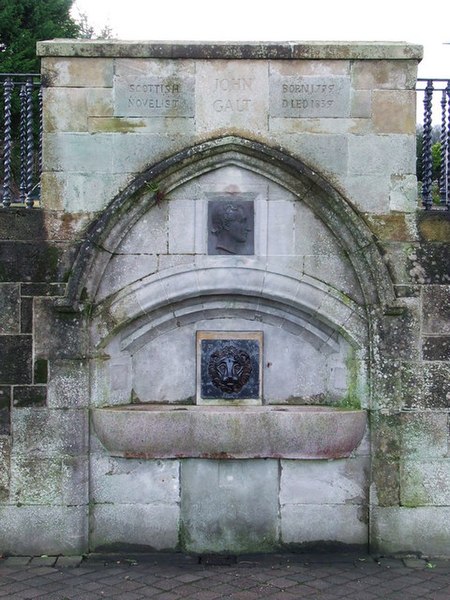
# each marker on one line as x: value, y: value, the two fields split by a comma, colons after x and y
x: 78, y: 194
x: 26, y: 315
x: 5, y: 409
x: 229, y: 506
x: 324, y: 482
x: 22, y: 224
x: 436, y: 347
x: 381, y: 155
x: 132, y: 481
x: 68, y: 384
x: 9, y: 308
x: 77, y: 72
x: 434, y: 226
x: 384, y: 75
x: 369, y: 193
x: 361, y: 104
x: 149, y: 235
x: 50, y: 433
x: 78, y: 152
x: 436, y: 310
x: 337, y: 271
x: 39, y: 530
x: 425, y: 483
x: 399, y: 334
x: 146, y: 527
x: 65, y: 109
x: 125, y: 270
x: 427, y: 263
x: 385, y: 481
x: 305, y: 67
x: 49, y: 481
x: 234, y: 94
x: 182, y: 227
x: 403, y: 197
x: 281, y: 228
x: 394, y: 111
x: 324, y: 524
x: 29, y: 395
x: 30, y: 261
x: 326, y: 153
x: 426, y: 385
x: 404, y: 530
x: 15, y: 359
x: 393, y: 227
x: 424, y: 434
x: 58, y: 335
x: 386, y: 435
x: 5, y: 460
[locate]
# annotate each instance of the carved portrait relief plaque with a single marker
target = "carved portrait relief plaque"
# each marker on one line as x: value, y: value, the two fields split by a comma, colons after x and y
x: 229, y: 367
x: 230, y: 226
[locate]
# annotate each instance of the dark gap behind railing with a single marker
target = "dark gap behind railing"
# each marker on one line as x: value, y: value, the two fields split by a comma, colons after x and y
x: 434, y: 156
x: 20, y: 139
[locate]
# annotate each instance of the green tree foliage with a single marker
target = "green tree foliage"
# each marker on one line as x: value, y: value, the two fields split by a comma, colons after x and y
x: 23, y: 23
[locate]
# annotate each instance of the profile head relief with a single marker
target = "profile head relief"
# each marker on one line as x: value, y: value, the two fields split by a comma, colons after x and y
x: 229, y: 225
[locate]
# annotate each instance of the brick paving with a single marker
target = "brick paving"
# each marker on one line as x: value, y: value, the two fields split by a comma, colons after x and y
x: 272, y: 577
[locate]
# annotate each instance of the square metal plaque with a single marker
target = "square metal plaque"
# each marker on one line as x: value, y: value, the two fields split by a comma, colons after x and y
x: 229, y: 367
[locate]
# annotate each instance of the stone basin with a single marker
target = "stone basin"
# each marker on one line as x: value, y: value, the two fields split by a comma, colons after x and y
x: 174, y: 431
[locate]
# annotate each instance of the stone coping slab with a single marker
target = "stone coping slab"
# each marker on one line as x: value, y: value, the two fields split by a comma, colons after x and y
x: 228, y: 432
x: 316, y: 50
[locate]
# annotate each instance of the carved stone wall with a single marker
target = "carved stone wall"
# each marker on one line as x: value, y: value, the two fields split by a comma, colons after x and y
x: 104, y: 288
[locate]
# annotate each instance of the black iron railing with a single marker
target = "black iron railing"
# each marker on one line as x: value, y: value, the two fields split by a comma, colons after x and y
x: 21, y: 133
x: 434, y: 155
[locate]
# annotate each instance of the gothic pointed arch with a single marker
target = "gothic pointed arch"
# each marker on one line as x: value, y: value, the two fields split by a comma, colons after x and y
x: 288, y: 171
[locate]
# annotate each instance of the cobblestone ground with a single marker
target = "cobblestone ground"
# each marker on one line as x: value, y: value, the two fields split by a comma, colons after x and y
x: 173, y: 577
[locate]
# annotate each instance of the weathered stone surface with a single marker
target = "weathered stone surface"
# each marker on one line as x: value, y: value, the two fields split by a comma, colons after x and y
x: 49, y: 481
x: 229, y: 506
x: 9, y: 309
x: 424, y: 434
x: 394, y: 111
x: 76, y: 73
x: 385, y: 481
x: 306, y: 524
x: 400, y: 529
x: 29, y: 395
x: 57, y: 334
x: 128, y: 481
x: 30, y: 261
x: 5, y: 459
x: 15, y: 359
x: 436, y: 310
x: 425, y: 482
x: 354, y: 307
x: 68, y: 384
x: 50, y: 433
x: 134, y: 526
x: 26, y: 315
x: 38, y: 530
x: 328, y: 482
x: 375, y: 155
x: 229, y: 431
x: 5, y: 409
x: 436, y: 347
x: 426, y: 385
x: 21, y: 224
x: 232, y: 50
